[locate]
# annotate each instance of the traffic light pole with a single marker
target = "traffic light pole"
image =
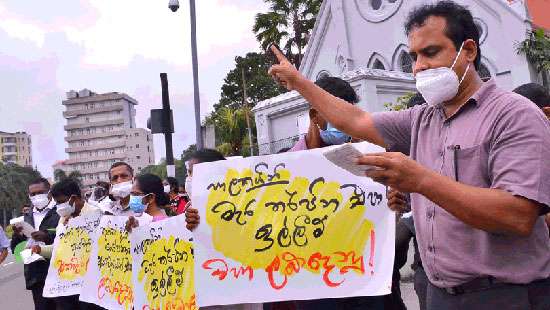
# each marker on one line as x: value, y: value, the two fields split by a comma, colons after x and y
x: 170, y: 167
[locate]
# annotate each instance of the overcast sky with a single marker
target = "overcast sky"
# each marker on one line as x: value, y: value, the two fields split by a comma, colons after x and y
x: 50, y: 47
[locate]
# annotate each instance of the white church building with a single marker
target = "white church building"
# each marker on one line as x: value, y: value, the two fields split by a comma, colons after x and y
x: 363, y: 42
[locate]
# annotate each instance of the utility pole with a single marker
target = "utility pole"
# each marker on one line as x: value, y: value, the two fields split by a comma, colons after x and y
x: 167, y: 124
x: 196, y: 93
x: 245, y: 104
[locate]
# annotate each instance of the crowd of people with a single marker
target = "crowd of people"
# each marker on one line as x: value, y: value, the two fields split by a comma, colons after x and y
x: 467, y: 169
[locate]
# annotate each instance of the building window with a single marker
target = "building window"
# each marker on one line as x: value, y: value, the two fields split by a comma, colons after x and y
x: 138, y: 157
x: 405, y: 62
x: 378, y: 65
x: 137, y: 146
x: 136, y: 134
x: 482, y: 29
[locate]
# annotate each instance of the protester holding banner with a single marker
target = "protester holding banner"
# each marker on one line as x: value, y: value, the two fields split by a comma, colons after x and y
x: 44, y: 218
x: 320, y: 134
x: 69, y: 203
x: 192, y: 216
x: 147, y: 196
x: 479, y: 171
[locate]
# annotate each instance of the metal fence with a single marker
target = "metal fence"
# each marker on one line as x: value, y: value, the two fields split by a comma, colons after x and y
x: 278, y: 146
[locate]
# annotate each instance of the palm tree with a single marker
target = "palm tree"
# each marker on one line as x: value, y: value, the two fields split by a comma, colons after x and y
x: 536, y: 47
x: 232, y: 128
x: 288, y: 23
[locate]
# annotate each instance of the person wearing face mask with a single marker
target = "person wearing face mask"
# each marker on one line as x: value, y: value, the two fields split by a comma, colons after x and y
x: 178, y: 201
x: 321, y: 133
x: 121, y: 177
x: 44, y: 218
x: 69, y: 203
x: 478, y: 171
x: 147, y: 196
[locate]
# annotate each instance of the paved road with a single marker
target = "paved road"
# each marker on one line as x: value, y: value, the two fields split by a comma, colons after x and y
x: 13, y: 294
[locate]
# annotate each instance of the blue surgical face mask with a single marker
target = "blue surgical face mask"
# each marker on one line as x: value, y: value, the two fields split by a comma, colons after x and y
x: 136, y: 204
x: 333, y: 136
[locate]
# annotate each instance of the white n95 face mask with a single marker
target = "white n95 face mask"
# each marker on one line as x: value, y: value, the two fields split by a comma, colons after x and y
x: 65, y: 209
x: 40, y: 201
x: 167, y: 189
x: 440, y: 84
x: 121, y: 190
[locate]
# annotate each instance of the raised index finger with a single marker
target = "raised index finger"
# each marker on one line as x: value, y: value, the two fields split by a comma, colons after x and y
x: 278, y: 53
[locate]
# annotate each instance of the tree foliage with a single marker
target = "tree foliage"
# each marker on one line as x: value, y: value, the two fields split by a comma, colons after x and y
x: 401, y: 103
x: 288, y: 24
x: 536, y: 47
x: 14, y: 182
x: 75, y: 175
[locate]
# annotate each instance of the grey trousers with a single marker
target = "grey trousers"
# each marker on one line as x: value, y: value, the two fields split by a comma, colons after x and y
x: 534, y: 296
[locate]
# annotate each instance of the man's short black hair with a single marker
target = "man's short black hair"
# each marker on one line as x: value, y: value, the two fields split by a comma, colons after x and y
x: 121, y: 163
x: 460, y: 23
x: 67, y: 187
x: 173, y: 182
x: 536, y: 93
x: 41, y: 181
x: 207, y: 155
x: 338, y: 88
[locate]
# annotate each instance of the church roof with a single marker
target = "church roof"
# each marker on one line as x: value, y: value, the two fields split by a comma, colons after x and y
x: 349, y: 76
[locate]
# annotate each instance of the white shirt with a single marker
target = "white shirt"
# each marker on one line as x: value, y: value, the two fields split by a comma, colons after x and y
x: 39, y: 215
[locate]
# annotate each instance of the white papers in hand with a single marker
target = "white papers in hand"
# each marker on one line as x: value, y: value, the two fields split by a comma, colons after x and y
x: 29, y: 257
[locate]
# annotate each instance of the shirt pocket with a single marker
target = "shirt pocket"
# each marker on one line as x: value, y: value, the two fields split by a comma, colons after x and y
x: 470, y: 165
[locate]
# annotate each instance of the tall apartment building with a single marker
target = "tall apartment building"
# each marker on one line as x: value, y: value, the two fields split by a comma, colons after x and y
x: 16, y: 148
x: 101, y: 131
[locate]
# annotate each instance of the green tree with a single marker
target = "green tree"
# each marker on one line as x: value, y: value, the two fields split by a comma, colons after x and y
x: 401, y: 103
x: 536, y: 47
x: 289, y: 24
x: 59, y: 175
x: 75, y: 175
x: 232, y: 129
x: 160, y: 170
x: 259, y: 85
x: 14, y: 181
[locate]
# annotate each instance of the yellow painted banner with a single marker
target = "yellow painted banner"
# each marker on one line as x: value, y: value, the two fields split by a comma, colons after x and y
x: 163, y: 266
x: 71, y: 255
x: 274, y: 225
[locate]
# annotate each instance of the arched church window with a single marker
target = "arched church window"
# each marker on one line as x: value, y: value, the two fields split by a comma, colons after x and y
x: 481, y: 29
x: 405, y: 62
x: 378, y: 65
x: 377, y: 10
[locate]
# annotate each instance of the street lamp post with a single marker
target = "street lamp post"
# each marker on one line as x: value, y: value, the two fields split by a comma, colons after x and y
x: 174, y: 5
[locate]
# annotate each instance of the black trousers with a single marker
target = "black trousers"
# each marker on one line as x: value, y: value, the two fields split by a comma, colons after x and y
x: 352, y: 303
x: 421, y: 286
x: 533, y: 296
x: 67, y: 303
x: 40, y: 302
